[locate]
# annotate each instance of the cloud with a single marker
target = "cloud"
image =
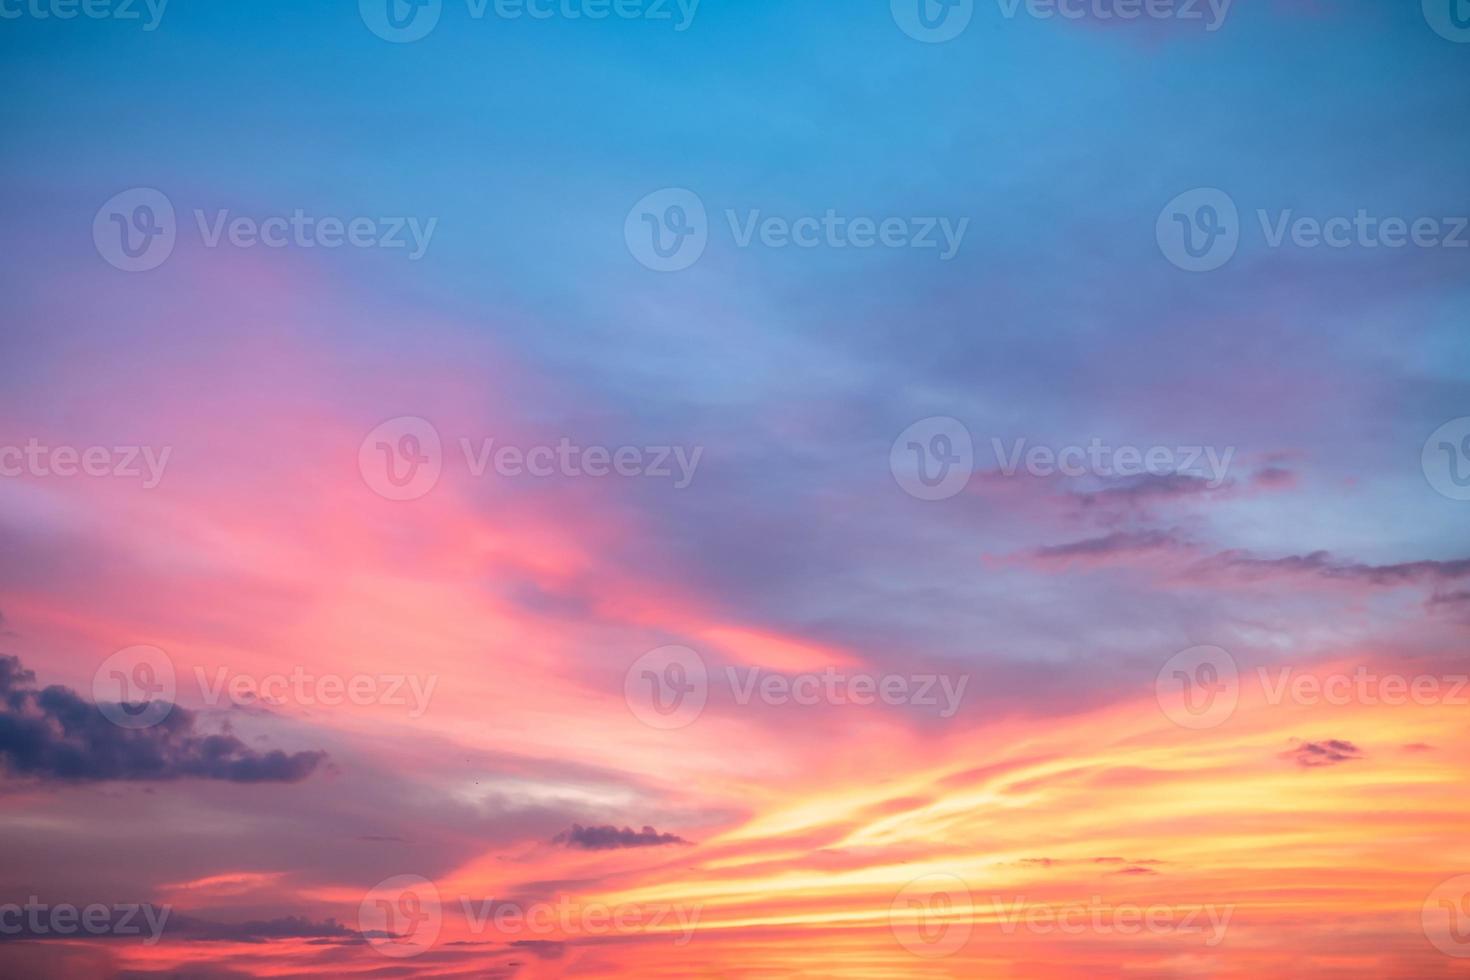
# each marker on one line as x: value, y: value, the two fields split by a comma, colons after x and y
x: 1147, y: 488
x: 608, y: 838
x: 1454, y: 603
x: 1314, y: 755
x: 1244, y: 565
x: 127, y: 921
x: 258, y: 930
x: 1150, y: 548
x: 53, y: 734
x: 1109, y: 546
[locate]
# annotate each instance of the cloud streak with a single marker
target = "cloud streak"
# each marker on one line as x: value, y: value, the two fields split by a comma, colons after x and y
x: 609, y: 838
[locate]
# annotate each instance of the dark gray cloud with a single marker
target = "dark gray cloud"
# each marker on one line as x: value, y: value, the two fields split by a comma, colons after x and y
x: 1314, y: 755
x: 125, y: 922
x: 259, y: 930
x: 608, y: 837
x: 54, y: 734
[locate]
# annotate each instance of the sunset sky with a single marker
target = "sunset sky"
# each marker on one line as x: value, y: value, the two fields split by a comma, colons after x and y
x: 737, y: 489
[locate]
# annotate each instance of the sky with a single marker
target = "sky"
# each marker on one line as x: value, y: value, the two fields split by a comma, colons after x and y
x: 735, y: 489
